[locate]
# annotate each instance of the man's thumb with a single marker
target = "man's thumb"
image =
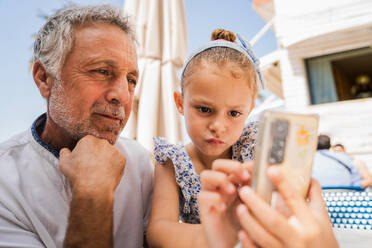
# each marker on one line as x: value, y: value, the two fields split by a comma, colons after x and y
x: 63, y: 155
x: 64, y: 152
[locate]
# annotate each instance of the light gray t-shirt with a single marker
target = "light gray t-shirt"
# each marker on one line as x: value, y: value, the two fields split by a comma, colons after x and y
x: 335, y: 169
x: 35, y: 196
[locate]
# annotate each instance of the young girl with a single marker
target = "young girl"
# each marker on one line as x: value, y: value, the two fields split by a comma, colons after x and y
x: 219, y: 83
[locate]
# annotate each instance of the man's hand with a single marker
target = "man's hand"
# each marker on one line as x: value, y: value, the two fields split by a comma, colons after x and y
x: 94, y: 169
x: 93, y: 166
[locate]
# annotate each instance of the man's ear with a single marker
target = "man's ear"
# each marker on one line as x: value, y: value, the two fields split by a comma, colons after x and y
x: 178, y: 100
x: 42, y: 79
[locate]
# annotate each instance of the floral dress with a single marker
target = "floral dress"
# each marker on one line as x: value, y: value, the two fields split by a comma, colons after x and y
x: 187, y: 178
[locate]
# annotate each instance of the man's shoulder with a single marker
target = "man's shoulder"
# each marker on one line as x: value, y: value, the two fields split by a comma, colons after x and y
x: 132, y: 149
x: 11, y: 153
x: 15, y: 142
x: 130, y: 145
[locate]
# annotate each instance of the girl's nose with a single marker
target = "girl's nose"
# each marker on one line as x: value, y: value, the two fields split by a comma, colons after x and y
x: 217, y: 126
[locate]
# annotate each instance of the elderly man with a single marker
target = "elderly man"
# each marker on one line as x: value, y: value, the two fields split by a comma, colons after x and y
x: 71, y: 180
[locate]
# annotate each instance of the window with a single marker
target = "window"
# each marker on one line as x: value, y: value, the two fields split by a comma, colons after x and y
x: 341, y: 76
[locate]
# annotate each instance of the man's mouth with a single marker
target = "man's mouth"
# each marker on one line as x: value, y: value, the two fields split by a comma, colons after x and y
x: 108, y: 116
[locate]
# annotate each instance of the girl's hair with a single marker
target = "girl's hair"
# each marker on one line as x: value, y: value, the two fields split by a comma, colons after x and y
x: 220, y: 56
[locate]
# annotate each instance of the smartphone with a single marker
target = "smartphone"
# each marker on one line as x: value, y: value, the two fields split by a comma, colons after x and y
x: 288, y: 140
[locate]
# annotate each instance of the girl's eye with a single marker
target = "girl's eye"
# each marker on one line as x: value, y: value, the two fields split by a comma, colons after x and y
x: 234, y: 113
x: 204, y: 109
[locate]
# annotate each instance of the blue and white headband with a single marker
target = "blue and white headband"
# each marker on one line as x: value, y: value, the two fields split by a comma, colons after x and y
x: 243, y: 46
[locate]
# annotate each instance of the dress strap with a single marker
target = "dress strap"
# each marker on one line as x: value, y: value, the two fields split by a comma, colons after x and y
x: 186, y: 177
x: 162, y: 149
x: 243, y: 149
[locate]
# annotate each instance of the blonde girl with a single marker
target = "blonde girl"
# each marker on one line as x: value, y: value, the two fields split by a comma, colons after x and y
x: 219, y: 84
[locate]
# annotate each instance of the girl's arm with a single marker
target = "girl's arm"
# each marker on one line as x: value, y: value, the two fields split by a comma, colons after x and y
x: 164, y: 229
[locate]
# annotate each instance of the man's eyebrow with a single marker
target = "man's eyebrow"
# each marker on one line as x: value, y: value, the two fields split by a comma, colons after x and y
x: 107, y: 62
x: 134, y: 73
x: 112, y: 63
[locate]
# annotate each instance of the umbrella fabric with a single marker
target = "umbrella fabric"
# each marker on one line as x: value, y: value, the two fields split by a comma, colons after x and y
x: 161, y: 35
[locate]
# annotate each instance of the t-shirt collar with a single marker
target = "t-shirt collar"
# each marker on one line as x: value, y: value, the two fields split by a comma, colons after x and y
x: 39, y: 124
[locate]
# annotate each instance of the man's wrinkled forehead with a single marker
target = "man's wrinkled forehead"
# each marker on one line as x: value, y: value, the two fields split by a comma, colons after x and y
x: 102, y: 47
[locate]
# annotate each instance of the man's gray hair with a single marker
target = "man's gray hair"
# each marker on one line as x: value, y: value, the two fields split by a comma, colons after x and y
x: 55, y: 39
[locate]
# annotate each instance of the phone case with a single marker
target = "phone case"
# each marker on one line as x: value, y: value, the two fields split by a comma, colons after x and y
x: 288, y: 140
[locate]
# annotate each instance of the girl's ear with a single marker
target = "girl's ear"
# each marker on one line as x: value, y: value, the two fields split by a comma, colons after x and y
x: 42, y: 80
x: 178, y: 100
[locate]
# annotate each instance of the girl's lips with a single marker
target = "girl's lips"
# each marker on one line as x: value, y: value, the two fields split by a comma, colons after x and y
x: 214, y: 141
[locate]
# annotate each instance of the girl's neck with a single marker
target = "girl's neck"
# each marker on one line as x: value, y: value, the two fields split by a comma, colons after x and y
x: 202, y: 161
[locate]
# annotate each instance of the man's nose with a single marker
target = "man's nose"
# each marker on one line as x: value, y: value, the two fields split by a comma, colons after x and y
x: 119, y: 91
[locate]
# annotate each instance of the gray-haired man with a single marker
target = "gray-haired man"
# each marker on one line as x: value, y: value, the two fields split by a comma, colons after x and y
x: 70, y: 180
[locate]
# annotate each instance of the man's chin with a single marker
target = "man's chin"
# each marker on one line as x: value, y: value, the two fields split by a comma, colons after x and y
x: 109, y: 136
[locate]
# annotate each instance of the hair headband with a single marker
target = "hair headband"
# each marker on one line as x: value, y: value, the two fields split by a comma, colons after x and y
x: 242, y: 46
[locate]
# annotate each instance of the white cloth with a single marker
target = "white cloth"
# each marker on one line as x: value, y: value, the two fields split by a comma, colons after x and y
x: 353, y: 238
x: 35, y: 196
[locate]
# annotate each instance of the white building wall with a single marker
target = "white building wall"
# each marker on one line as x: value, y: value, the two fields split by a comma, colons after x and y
x: 300, y: 19
x: 308, y: 29
x: 347, y: 122
x: 295, y: 89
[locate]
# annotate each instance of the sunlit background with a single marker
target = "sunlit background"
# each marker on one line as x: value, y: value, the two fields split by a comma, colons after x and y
x: 20, y: 102
x: 315, y: 56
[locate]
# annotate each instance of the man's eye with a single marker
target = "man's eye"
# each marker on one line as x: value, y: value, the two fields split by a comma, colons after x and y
x: 234, y: 113
x: 204, y: 109
x: 132, y: 81
x: 102, y: 71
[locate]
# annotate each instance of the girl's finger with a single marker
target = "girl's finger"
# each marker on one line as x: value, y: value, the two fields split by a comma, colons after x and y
x: 315, y: 194
x: 316, y: 201
x: 210, y: 203
x: 291, y: 196
x: 269, y: 218
x: 245, y: 240
x: 216, y: 181
x: 241, y: 172
x: 255, y: 230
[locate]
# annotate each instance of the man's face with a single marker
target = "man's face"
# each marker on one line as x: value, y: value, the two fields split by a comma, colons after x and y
x: 95, y: 92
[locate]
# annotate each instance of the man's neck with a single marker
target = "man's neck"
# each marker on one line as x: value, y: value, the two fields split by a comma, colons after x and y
x: 55, y: 136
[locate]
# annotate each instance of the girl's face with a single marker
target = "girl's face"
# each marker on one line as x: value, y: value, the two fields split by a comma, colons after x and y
x: 216, y: 103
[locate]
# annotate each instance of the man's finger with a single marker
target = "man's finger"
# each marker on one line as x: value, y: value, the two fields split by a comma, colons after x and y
x: 64, y: 152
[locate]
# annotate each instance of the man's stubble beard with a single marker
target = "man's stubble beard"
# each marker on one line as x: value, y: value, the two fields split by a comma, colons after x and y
x: 62, y: 112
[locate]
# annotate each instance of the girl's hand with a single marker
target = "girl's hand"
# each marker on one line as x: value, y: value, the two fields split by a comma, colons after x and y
x: 263, y: 226
x: 218, y: 200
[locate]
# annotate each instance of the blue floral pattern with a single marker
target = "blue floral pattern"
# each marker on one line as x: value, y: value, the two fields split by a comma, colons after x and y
x: 187, y: 178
